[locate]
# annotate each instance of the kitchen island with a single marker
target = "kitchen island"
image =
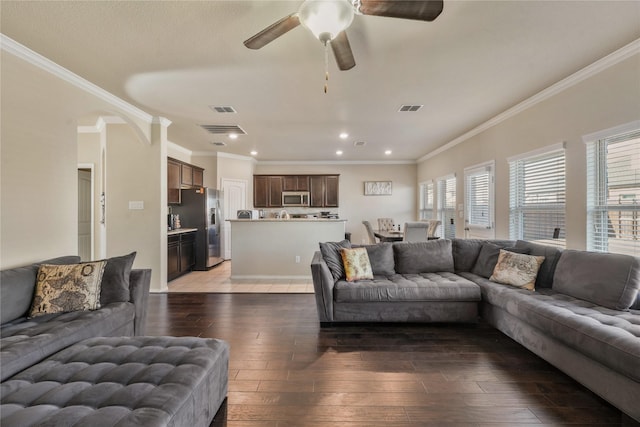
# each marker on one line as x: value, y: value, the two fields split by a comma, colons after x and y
x: 279, y: 248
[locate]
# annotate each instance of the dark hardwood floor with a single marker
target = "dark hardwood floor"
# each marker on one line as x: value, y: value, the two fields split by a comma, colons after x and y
x: 287, y: 371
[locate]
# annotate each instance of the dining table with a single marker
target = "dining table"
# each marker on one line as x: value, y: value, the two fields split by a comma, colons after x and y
x: 389, y: 235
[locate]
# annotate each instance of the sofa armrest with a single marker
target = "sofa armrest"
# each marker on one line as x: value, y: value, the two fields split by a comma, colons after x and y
x: 139, y: 284
x: 323, y: 287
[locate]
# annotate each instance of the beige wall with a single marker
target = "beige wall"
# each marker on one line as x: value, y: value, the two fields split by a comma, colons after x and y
x: 605, y: 100
x: 355, y: 207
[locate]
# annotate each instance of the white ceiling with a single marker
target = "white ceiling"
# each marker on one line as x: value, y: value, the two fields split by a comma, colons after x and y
x: 176, y: 58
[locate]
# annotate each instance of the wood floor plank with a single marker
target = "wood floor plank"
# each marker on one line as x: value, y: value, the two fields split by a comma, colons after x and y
x: 287, y: 371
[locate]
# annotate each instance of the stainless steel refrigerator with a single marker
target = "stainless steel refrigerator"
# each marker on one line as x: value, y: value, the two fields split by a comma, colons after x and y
x: 201, y: 208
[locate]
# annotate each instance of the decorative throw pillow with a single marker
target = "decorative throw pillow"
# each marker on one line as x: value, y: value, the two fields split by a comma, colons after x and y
x: 331, y: 254
x: 518, y: 270
x: 64, y: 288
x: 488, y: 258
x: 116, y: 279
x: 356, y: 264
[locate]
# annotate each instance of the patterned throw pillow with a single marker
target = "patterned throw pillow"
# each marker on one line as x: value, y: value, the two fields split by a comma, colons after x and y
x: 518, y: 270
x: 64, y: 288
x: 356, y: 264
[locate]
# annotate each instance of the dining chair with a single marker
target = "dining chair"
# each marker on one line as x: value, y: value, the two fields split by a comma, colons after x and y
x: 372, y: 237
x: 433, y: 227
x: 385, y: 224
x: 415, y: 231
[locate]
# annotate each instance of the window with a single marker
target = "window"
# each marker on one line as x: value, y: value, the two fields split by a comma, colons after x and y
x: 478, y: 190
x: 426, y: 200
x: 613, y: 193
x: 537, y: 196
x: 447, y: 206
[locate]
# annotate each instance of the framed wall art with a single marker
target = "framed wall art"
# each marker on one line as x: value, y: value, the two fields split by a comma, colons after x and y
x: 377, y: 188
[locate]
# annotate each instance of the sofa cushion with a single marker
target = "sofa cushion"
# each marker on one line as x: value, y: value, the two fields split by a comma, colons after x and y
x: 356, y: 264
x: 115, y: 279
x: 69, y: 287
x: 547, y: 269
x: 466, y: 251
x: 28, y: 341
x: 517, y: 270
x: 442, y: 286
x: 17, y: 286
x: 607, y: 279
x: 423, y: 257
x: 381, y: 258
x: 331, y: 254
x: 611, y: 337
x: 488, y: 258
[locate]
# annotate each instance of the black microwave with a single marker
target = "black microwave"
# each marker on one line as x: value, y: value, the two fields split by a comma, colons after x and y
x: 295, y: 198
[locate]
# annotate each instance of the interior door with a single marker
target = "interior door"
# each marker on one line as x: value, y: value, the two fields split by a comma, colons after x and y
x: 85, y: 215
x: 235, y: 197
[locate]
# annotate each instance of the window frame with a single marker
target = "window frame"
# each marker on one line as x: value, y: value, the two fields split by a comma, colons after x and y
x: 427, y: 191
x: 523, y: 184
x: 446, y: 214
x: 599, y: 226
x: 488, y: 227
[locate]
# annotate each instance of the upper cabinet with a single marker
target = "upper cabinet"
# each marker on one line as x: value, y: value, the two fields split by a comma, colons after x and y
x: 323, y: 189
x: 267, y: 191
x: 181, y: 175
x: 295, y: 183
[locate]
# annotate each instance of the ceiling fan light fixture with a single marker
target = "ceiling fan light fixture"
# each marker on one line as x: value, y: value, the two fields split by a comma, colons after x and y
x: 326, y: 18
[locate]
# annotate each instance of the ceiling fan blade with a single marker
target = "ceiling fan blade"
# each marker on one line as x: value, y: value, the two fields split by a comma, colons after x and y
x: 422, y: 10
x: 272, y: 32
x: 342, y: 51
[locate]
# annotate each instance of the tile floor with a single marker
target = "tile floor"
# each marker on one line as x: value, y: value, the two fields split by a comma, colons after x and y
x: 218, y: 280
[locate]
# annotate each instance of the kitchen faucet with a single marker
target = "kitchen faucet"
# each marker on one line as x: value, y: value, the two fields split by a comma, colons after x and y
x: 284, y: 214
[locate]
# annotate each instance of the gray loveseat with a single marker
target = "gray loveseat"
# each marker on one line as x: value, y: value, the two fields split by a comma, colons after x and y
x: 583, y: 317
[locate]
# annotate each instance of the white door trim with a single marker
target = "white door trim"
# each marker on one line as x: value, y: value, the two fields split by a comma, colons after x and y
x: 91, y: 168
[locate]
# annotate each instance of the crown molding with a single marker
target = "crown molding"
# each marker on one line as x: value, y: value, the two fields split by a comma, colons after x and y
x: 336, y: 162
x: 179, y: 148
x: 597, y: 67
x: 14, y: 48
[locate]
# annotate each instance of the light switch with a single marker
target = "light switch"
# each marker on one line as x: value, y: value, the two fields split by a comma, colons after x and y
x: 136, y: 204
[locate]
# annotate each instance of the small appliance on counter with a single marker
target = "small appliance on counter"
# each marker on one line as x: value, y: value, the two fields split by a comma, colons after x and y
x: 249, y: 214
x: 329, y: 215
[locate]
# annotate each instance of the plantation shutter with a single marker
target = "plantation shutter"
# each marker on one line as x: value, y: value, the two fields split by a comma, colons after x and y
x: 426, y: 200
x: 537, y: 197
x: 479, y: 197
x: 613, y: 194
x: 447, y: 206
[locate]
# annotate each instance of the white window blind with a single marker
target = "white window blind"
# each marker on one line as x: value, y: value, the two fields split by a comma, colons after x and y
x: 479, y: 197
x: 447, y: 206
x: 613, y: 194
x: 537, y: 198
x: 426, y: 200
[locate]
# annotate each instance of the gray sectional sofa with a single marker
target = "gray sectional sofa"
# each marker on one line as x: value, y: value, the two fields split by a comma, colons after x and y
x: 583, y: 317
x: 94, y: 367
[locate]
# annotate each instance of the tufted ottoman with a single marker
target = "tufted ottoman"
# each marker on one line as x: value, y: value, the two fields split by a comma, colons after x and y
x: 123, y: 381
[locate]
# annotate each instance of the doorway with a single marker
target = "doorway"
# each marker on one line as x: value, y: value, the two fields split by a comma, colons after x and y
x: 85, y: 212
x: 234, y: 193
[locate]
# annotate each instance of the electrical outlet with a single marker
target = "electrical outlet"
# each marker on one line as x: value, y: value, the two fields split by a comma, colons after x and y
x: 136, y: 204
x: 297, y: 259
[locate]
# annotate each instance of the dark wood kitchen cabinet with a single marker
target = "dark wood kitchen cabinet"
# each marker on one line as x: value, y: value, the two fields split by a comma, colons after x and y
x: 324, y: 191
x: 181, y: 175
x: 267, y: 191
x: 181, y: 254
x: 295, y: 183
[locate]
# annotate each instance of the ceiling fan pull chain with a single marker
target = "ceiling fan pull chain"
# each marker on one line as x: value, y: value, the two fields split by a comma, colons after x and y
x: 326, y: 67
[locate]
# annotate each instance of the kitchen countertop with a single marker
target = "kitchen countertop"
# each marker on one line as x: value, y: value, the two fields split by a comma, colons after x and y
x: 181, y: 231
x: 289, y: 220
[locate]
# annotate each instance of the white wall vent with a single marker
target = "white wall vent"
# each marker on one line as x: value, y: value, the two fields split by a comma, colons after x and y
x: 224, y: 129
x: 409, y: 108
x: 359, y: 144
x: 222, y: 109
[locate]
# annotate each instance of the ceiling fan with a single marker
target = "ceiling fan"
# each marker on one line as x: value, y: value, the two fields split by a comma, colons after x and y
x: 328, y: 20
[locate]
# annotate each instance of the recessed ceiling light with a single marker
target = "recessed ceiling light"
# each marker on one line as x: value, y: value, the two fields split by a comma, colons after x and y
x: 339, y: 152
x: 387, y: 152
x: 254, y: 152
x: 344, y: 135
x: 233, y: 135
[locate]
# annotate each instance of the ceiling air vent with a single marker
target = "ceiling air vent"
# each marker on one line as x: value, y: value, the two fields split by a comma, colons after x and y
x: 222, y: 109
x: 224, y: 129
x: 408, y: 108
x: 359, y: 144
x: 218, y: 143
